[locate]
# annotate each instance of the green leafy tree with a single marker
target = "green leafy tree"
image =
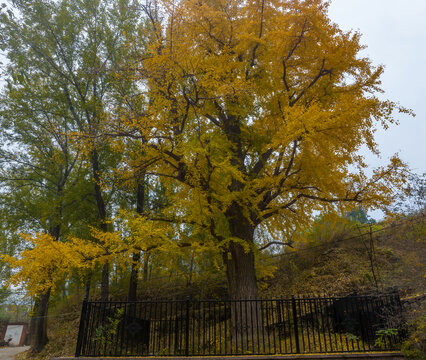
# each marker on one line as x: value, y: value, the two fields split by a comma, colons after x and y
x: 360, y: 216
x: 60, y: 85
x: 74, y: 48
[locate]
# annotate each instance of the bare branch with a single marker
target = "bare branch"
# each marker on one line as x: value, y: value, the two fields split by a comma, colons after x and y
x: 275, y: 243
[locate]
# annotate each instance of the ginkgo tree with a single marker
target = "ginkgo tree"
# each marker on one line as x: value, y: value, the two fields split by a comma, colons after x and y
x: 253, y: 115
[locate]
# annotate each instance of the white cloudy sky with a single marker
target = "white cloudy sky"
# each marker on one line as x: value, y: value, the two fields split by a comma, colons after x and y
x: 395, y: 33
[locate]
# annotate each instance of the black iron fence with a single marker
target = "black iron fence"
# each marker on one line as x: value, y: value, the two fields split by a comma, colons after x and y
x: 239, y: 327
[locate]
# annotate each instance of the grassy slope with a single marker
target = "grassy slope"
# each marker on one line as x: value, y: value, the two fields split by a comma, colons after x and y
x: 338, y: 262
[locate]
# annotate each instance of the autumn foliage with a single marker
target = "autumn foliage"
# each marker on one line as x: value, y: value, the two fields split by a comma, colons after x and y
x: 251, y: 115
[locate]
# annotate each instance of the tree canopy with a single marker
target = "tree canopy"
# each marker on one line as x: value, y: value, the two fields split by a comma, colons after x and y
x: 253, y: 116
x: 250, y: 114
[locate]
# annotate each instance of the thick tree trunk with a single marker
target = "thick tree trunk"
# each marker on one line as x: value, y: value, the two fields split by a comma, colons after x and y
x: 87, y: 285
x: 239, y: 259
x: 33, y: 320
x: 105, y: 282
x: 240, y: 272
x: 247, y: 317
x: 39, y: 335
x: 145, y: 266
x: 133, y: 284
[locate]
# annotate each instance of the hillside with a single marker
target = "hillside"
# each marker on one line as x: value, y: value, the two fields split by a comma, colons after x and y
x: 344, y: 257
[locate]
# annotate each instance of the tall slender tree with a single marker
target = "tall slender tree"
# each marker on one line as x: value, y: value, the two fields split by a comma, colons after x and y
x: 60, y: 80
x: 76, y: 47
x: 39, y: 170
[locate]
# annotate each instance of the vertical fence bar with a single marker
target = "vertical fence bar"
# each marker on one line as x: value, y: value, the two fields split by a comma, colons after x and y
x: 273, y: 327
x: 81, y: 328
x: 327, y: 317
x: 160, y: 324
x: 319, y: 320
x: 289, y: 317
x: 268, y: 326
x: 194, y: 308
x: 200, y: 304
x: 363, y: 324
x: 283, y: 325
x: 386, y: 339
x: 114, y: 351
x: 169, y: 326
x: 110, y: 340
x: 300, y: 322
x: 355, y: 311
x: 94, y: 324
x: 203, y: 347
x: 126, y: 321
x: 214, y: 326
x: 252, y: 329
x: 306, y: 316
x: 262, y: 306
x: 313, y: 315
x: 187, y: 327
x: 296, y: 330
x: 241, y: 326
x: 323, y: 320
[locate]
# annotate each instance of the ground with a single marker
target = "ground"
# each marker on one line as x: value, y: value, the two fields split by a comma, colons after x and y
x: 8, y: 353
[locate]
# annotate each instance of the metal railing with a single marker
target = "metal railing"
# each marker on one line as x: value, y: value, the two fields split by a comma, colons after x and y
x: 239, y: 327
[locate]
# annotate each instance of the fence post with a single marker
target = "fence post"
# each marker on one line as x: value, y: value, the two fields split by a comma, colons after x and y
x: 296, y: 330
x: 187, y: 327
x: 81, y: 328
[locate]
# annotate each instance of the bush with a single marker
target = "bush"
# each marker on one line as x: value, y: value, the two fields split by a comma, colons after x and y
x: 414, y: 347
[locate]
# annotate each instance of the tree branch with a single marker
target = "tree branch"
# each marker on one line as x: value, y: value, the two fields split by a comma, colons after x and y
x: 275, y: 243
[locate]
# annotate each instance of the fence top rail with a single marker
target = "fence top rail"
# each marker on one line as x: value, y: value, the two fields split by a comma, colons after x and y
x: 288, y: 299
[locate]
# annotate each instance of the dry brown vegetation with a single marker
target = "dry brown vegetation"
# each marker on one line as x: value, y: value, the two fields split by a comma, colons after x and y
x: 335, y: 259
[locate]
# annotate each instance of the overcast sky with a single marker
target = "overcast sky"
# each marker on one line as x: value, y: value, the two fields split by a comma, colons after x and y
x: 395, y: 33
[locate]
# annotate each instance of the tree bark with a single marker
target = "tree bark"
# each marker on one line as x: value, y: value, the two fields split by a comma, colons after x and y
x: 136, y: 256
x: 105, y: 282
x: 102, y: 219
x: 39, y: 338
x: 33, y: 320
x: 238, y: 259
x: 39, y: 332
x: 247, y: 318
x: 145, y: 266
x: 87, y: 285
x: 133, y: 283
x: 240, y: 272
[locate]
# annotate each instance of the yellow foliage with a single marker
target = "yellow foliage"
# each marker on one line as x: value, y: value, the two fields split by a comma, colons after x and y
x: 251, y: 113
x: 45, y: 262
x: 260, y: 105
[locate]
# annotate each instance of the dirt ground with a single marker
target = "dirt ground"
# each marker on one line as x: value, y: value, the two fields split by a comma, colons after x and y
x: 9, y: 352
